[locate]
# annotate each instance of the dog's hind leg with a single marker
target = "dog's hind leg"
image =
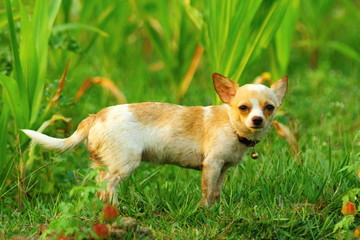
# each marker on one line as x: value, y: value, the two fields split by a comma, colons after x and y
x: 108, y: 195
x: 117, y: 171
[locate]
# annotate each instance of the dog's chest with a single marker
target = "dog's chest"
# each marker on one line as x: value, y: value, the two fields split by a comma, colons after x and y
x: 229, y: 149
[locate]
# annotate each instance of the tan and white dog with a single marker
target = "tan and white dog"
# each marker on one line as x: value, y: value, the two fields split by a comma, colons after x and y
x: 210, y: 139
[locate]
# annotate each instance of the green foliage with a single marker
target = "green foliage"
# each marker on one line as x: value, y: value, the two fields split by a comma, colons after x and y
x: 77, y: 217
x: 316, y: 38
x: 23, y: 91
x: 283, y: 40
x: 171, y: 33
x: 347, y: 222
x: 239, y: 31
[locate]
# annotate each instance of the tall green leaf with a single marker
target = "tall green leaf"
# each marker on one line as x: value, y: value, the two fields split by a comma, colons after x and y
x: 172, y: 33
x: 282, y: 43
x: 238, y: 32
x: 18, y: 72
x: 23, y: 90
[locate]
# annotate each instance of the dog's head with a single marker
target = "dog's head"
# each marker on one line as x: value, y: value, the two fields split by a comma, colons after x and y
x: 253, y: 106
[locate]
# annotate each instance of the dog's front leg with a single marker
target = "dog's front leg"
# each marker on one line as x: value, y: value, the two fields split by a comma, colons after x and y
x: 211, y: 170
x: 220, y: 181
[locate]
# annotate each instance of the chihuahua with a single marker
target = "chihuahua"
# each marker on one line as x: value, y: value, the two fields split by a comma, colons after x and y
x: 210, y: 139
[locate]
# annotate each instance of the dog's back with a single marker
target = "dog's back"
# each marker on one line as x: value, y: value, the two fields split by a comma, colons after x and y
x: 156, y: 132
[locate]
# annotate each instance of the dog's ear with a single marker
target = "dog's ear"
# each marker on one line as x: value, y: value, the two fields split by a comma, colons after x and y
x: 225, y: 88
x: 280, y: 87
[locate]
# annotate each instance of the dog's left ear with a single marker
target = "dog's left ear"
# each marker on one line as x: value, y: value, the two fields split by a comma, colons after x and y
x: 280, y: 87
x: 225, y: 88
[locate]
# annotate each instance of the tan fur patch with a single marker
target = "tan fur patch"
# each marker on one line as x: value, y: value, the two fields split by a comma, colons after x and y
x: 95, y: 150
x: 94, y: 156
x: 102, y: 115
x: 192, y: 120
x: 188, y: 121
x: 154, y: 114
x: 87, y: 123
x: 218, y: 116
x: 84, y: 128
x: 244, y: 94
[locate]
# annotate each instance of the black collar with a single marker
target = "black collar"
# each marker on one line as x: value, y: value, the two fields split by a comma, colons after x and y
x: 247, y: 142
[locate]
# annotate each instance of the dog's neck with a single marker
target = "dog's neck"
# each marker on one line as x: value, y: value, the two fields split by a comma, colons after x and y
x: 247, y: 142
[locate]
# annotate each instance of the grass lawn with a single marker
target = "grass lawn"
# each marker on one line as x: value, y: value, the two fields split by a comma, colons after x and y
x: 274, y: 197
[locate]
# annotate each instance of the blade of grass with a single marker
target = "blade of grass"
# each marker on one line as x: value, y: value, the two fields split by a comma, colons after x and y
x: 5, y: 168
x: 24, y: 90
x: 4, y: 118
x: 345, y: 49
x: 241, y: 22
x: 18, y: 73
x: 33, y: 54
x: 79, y: 26
x: 54, y: 7
x: 172, y: 33
x: 251, y: 32
x: 14, y: 99
x: 284, y: 38
x: 263, y: 36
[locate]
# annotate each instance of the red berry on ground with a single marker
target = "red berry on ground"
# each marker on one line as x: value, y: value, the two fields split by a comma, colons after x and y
x: 101, y: 230
x: 357, y: 232
x: 349, y: 209
x: 62, y: 238
x: 110, y: 213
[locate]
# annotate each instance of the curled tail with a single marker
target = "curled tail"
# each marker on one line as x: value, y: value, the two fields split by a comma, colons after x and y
x: 62, y: 144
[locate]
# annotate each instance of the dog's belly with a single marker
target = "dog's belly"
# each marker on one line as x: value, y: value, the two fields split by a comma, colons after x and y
x: 167, y: 147
x: 122, y: 139
x: 183, y: 156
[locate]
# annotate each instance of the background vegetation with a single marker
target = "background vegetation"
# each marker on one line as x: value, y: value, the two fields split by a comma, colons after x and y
x: 61, y: 60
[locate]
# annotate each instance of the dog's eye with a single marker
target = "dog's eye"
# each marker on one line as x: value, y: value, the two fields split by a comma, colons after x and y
x: 269, y: 107
x: 243, y: 107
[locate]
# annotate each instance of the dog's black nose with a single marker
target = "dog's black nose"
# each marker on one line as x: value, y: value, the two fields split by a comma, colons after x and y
x: 257, y: 121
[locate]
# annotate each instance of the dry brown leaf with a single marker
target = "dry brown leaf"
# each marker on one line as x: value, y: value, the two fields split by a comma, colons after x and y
x: 286, y: 133
x: 56, y: 97
x: 155, y: 24
x: 156, y: 66
x: 105, y: 83
x: 185, y: 83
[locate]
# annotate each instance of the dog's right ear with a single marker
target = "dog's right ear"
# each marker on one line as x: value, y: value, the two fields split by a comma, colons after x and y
x: 280, y: 88
x: 225, y: 88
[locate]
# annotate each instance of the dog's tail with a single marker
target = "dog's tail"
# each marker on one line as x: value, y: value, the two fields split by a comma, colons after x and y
x: 63, y: 144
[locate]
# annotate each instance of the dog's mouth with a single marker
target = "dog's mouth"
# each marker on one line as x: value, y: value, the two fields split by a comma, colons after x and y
x: 257, y: 127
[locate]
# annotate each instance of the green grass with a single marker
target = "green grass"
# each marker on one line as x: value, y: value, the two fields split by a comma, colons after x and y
x: 271, y: 198
x: 274, y: 197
